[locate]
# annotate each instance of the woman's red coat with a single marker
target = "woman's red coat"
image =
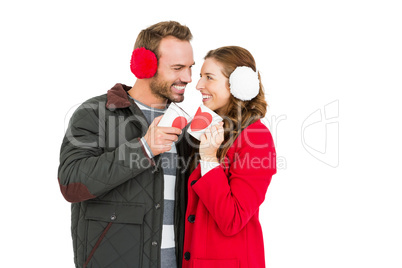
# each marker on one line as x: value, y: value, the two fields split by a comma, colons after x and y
x: 222, y: 227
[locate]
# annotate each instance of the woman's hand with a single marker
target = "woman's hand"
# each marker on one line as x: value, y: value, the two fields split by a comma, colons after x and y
x: 210, y: 142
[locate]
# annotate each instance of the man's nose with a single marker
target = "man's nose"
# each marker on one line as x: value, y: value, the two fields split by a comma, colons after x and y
x: 186, y: 76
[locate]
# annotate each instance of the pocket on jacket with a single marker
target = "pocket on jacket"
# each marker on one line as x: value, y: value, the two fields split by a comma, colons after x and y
x: 114, y: 235
x: 203, y: 263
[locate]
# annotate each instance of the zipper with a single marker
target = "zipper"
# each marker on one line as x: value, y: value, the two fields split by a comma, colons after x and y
x: 98, y: 243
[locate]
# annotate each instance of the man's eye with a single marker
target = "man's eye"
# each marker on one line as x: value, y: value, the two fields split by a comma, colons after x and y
x: 177, y: 68
x: 209, y: 78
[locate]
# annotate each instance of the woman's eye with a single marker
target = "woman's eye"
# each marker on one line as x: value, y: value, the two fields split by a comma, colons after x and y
x: 209, y: 78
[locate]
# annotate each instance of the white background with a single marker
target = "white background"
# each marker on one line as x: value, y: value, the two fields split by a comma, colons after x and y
x: 57, y: 54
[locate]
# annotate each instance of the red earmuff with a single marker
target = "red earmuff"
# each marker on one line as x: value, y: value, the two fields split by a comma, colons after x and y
x: 143, y: 63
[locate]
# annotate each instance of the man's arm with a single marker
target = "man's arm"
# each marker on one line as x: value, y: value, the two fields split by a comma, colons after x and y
x: 85, y: 169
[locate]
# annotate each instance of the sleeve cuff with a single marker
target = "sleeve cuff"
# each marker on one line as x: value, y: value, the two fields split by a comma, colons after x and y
x: 207, y: 166
x: 147, y: 148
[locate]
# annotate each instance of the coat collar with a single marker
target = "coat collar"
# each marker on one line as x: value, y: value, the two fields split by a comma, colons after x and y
x: 117, y: 97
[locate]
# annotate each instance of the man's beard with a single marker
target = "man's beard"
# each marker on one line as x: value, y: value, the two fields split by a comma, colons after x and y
x: 162, y: 89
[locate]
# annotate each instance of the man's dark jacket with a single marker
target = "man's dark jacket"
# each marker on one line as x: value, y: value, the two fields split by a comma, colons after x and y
x: 116, y: 190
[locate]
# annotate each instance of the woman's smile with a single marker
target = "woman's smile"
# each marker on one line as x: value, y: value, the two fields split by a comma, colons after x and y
x: 206, y: 97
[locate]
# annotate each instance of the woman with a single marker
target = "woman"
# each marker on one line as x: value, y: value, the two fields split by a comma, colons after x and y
x: 237, y: 162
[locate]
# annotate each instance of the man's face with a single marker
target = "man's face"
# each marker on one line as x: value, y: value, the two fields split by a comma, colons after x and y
x: 174, y: 69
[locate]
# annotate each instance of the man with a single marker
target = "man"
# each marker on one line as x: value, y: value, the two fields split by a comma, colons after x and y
x: 122, y: 172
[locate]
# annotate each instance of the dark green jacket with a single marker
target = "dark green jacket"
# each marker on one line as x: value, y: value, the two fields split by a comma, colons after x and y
x: 115, y: 189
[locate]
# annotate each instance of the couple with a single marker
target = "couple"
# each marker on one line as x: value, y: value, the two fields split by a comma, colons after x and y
x: 134, y: 203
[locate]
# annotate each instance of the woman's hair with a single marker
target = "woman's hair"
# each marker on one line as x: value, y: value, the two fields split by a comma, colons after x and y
x: 238, y: 114
x: 151, y: 37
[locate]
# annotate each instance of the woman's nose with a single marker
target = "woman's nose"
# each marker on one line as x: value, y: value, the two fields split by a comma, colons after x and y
x: 200, y: 84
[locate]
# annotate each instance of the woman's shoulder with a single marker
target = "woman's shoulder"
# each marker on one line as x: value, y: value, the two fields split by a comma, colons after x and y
x: 254, y: 146
x: 256, y: 130
x: 256, y: 125
x: 256, y: 134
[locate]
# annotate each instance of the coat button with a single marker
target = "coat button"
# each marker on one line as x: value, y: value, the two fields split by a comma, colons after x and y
x: 113, y: 217
x: 187, y: 256
x: 191, y: 218
x: 192, y: 183
x: 154, y: 243
x: 157, y: 206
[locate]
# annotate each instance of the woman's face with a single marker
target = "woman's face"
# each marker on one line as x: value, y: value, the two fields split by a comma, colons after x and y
x: 213, y: 85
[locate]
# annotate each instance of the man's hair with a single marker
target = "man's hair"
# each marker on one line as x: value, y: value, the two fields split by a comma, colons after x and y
x: 151, y: 37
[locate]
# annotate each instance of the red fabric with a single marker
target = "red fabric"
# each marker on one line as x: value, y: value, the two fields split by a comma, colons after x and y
x: 226, y: 231
x: 144, y: 63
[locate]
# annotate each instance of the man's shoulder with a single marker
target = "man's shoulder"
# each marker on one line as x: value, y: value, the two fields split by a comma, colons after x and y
x: 115, y: 97
x: 93, y: 104
x: 96, y: 100
x: 89, y: 109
